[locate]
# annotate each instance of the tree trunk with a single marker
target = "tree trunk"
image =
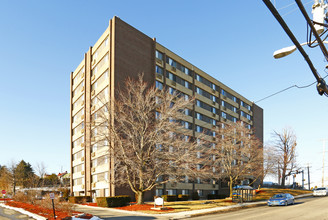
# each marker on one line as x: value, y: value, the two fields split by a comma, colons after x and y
x: 230, y: 186
x: 283, y: 177
x: 140, y: 199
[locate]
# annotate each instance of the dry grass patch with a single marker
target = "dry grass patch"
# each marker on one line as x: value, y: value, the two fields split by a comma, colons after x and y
x: 267, y: 193
x: 192, y: 205
x: 182, y: 206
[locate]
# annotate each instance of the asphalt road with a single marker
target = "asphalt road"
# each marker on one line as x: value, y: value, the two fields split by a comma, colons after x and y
x: 8, y: 214
x: 304, y: 208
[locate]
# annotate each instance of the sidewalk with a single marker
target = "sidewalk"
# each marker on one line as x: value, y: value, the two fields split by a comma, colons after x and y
x: 106, y: 213
x: 32, y: 215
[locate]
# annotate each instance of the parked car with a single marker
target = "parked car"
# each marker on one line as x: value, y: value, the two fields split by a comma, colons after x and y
x: 323, y: 191
x: 281, y: 199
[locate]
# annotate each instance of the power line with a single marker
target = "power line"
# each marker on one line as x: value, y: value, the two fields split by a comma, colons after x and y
x: 296, y: 86
x: 291, y: 11
x: 299, y: 87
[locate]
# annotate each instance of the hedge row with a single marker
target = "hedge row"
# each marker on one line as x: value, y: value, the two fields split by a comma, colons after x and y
x: 113, y: 201
x: 79, y: 199
x: 194, y: 196
x: 171, y: 198
x: 214, y: 196
x: 182, y: 197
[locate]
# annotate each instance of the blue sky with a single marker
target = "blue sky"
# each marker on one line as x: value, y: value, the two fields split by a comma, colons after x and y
x: 43, y: 41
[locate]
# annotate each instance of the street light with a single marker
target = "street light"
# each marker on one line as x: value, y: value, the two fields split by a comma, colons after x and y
x: 288, y: 50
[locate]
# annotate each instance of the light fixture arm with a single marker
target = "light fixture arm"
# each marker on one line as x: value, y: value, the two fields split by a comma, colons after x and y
x: 281, y: 21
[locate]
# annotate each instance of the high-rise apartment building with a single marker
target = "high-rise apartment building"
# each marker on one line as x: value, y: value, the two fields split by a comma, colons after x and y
x: 123, y: 51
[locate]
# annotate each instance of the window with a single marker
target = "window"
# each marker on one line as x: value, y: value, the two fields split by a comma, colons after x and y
x: 157, y: 115
x: 159, y: 70
x: 78, y: 76
x: 159, y: 55
x: 77, y: 128
x: 223, y: 92
x: 231, y: 118
x: 159, y: 192
x: 185, y: 192
x: 228, y: 106
x: 94, y: 101
x: 171, y: 62
x: 206, y: 106
x: 171, y: 76
x: 78, y: 142
x: 94, y: 86
x: 94, y: 148
x: 171, y: 90
x: 78, y: 155
x: 187, y: 125
x: 188, y: 112
x: 179, y: 66
x: 94, y: 163
x: 213, y: 145
x: 205, y: 81
x: 228, y: 95
x: 205, y: 94
x: 171, y: 192
x: 159, y: 85
x: 106, y: 192
x: 159, y: 147
x: 78, y: 181
x: 205, y: 118
x: 100, y: 48
x: 242, y: 113
x: 99, y: 65
x: 199, y: 128
x: 178, y: 80
x: 245, y: 105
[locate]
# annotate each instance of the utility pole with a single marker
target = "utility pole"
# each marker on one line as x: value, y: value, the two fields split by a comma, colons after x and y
x: 322, y: 87
x: 308, y: 168
x: 323, y: 161
x: 302, y: 179
x: 278, y: 175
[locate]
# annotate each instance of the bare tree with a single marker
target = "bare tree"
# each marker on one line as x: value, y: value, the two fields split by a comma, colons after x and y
x: 270, y: 158
x: 40, y: 169
x: 12, y: 175
x: 5, y: 179
x: 237, y: 155
x: 143, y: 128
x: 285, y: 146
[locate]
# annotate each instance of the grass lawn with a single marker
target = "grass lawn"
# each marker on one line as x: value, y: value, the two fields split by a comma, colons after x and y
x: 264, y: 194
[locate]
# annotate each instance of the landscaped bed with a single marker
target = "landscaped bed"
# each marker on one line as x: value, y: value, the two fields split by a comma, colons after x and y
x: 47, y: 213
